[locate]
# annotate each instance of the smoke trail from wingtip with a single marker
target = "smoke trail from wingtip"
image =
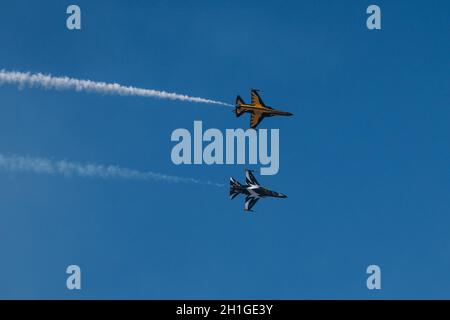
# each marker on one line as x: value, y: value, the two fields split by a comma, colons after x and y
x: 27, y: 79
x: 15, y: 163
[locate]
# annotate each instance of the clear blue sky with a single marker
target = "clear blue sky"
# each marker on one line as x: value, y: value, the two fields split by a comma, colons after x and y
x: 364, y: 161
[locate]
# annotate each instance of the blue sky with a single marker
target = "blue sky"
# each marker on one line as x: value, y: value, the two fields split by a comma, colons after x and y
x: 364, y: 161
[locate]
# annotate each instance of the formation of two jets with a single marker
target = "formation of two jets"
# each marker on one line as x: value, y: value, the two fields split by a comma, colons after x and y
x: 252, y: 190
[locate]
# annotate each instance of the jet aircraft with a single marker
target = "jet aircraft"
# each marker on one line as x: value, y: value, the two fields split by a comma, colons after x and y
x: 252, y: 190
x: 257, y: 109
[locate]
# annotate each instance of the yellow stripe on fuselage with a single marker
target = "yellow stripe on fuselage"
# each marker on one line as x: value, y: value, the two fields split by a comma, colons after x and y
x: 251, y: 107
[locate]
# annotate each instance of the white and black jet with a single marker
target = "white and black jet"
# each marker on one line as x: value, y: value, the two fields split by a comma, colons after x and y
x: 252, y: 190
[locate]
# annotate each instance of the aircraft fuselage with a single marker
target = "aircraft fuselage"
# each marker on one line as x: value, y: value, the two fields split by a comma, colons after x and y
x: 259, y: 192
x: 267, y: 112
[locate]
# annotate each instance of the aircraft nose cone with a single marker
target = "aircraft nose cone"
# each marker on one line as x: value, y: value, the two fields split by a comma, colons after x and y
x: 289, y: 114
x: 282, y: 195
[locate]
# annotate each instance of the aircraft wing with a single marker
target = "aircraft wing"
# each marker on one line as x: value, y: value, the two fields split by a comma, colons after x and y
x: 250, y: 178
x: 255, y: 119
x: 250, y: 202
x: 256, y: 99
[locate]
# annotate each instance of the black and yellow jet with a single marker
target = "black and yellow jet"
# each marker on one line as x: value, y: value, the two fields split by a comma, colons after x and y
x: 257, y: 109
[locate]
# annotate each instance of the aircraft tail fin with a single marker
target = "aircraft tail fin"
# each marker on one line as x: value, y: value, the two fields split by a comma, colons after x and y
x: 239, y: 102
x: 234, y: 188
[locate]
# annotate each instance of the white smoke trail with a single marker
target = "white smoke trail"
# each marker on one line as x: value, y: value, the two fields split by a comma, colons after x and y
x: 15, y: 163
x: 40, y: 80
